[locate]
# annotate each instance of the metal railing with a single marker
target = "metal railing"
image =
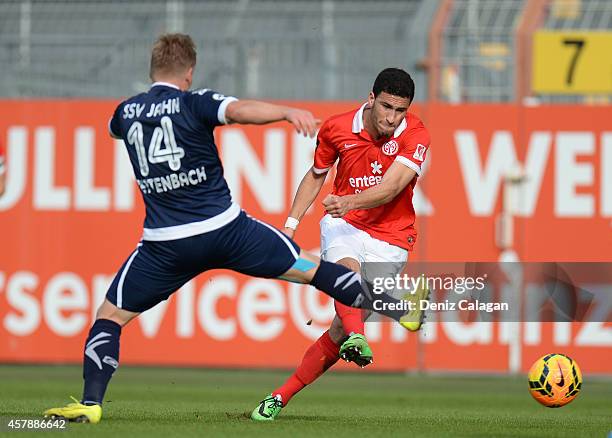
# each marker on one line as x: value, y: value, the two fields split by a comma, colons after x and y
x: 313, y: 50
x: 478, y: 57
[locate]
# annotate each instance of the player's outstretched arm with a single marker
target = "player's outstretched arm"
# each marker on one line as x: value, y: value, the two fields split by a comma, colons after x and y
x: 307, y: 192
x: 258, y: 113
x: 394, y: 181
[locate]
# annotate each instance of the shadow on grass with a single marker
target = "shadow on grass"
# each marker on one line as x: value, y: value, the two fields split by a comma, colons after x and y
x: 246, y: 416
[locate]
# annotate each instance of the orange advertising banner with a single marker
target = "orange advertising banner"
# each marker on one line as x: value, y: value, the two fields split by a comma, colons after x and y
x: 72, y: 213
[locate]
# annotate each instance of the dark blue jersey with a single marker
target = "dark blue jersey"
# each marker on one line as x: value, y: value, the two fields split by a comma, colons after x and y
x: 169, y: 137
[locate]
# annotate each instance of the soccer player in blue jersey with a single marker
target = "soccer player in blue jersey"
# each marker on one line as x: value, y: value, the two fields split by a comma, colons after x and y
x: 191, y: 224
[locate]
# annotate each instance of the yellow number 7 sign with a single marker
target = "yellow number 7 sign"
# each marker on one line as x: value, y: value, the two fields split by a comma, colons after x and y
x: 572, y: 62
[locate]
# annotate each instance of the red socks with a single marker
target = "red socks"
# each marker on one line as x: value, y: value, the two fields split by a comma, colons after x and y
x: 322, y: 354
x: 318, y: 358
x: 352, y: 318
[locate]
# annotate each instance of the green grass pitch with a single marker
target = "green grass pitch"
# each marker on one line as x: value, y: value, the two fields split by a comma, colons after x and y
x: 200, y: 402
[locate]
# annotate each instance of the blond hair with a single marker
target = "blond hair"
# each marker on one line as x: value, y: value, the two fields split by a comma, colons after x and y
x: 172, y: 53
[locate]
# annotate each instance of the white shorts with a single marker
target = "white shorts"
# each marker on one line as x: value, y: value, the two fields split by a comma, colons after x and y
x: 339, y: 240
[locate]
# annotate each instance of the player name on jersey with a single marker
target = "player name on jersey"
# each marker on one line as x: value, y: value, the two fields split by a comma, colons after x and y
x: 172, y: 181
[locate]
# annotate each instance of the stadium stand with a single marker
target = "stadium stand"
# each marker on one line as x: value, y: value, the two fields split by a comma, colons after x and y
x: 579, y: 14
x: 478, y: 51
x: 262, y: 48
x: 297, y: 49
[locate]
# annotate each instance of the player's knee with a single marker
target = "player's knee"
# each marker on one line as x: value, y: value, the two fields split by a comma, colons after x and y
x: 108, y: 310
x: 305, y: 264
x: 315, y: 260
x: 303, y: 269
x: 350, y: 263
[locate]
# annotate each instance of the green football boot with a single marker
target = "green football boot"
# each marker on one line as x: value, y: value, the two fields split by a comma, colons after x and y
x: 356, y: 349
x: 268, y: 409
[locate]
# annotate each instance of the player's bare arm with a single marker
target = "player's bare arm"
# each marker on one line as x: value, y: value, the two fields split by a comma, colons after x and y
x: 1, y: 184
x: 259, y: 113
x: 307, y: 192
x: 394, y: 181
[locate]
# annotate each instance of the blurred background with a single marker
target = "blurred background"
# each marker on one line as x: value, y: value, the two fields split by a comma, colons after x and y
x: 516, y: 95
x: 458, y: 51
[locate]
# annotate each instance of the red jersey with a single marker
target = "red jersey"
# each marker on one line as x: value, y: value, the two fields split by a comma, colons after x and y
x: 362, y: 164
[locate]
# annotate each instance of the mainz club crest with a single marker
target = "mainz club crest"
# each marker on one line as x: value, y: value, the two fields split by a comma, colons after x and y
x: 390, y: 148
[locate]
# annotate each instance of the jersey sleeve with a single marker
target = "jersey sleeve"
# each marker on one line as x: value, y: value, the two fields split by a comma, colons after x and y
x: 114, y: 127
x: 209, y: 106
x: 2, y: 163
x: 413, y: 149
x: 326, y: 153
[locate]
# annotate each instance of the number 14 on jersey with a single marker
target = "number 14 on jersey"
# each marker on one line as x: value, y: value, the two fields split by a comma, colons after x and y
x: 162, y: 147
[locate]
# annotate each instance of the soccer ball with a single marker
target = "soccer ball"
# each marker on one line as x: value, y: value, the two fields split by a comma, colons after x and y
x: 554, y: 380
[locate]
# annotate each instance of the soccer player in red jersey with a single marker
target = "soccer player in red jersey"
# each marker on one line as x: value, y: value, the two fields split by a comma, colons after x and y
x: 2, y: 170
x: 380, y: 148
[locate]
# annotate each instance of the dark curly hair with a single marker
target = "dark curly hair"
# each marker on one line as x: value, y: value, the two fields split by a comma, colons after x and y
x: 394, y: 81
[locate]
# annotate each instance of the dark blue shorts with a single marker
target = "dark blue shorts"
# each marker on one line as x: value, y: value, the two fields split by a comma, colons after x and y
x: 155, y: 270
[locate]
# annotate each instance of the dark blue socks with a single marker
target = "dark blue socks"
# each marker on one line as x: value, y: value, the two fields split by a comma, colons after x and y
x: 344, y: 285
x: 101, y: 359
